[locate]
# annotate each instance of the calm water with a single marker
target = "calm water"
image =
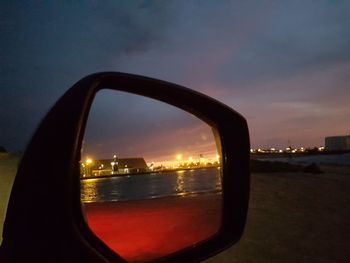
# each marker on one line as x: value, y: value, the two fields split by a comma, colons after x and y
x: 146, y: 186
x: 326, y: 159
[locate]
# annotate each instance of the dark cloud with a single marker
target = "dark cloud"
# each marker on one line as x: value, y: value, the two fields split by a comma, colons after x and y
x: 279, y: 63
x: 46, y: 47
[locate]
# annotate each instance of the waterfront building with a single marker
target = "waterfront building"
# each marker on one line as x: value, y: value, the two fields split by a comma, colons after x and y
x: 337, y: 143
x: 119, y: 166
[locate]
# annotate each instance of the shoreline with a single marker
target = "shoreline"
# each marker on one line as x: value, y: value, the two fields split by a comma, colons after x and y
x: 151, y: 172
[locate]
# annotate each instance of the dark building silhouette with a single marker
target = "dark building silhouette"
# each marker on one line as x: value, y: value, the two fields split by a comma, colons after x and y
x: 338, y: 143
x: 119, y: 166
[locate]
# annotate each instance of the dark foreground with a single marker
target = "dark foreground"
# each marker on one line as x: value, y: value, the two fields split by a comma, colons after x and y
x: 296, y: 217
x: 293, y: 217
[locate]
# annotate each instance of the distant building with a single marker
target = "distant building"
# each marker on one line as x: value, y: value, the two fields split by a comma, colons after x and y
x: 338, y: 143
x: 119, y: 166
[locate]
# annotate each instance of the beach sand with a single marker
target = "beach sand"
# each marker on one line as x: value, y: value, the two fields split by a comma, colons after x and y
x: 8, y: 169
x: 296, y: 217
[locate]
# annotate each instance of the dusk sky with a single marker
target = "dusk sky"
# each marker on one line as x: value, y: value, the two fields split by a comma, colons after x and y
x: 128, y: 125
x: 284, y: 65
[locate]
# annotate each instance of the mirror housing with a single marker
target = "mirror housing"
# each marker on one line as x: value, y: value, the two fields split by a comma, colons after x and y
x: 44, y: 218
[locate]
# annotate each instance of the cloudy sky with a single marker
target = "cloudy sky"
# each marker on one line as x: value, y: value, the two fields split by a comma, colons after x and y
x: 127, y: 125
x: 284, y: 65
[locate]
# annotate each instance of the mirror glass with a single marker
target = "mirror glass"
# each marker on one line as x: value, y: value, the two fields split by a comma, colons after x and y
x: 150, y: 176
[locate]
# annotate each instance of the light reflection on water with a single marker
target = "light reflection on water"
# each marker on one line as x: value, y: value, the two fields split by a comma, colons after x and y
x: 180, y: 183
x: 90, y: 189
x: 146, y: 186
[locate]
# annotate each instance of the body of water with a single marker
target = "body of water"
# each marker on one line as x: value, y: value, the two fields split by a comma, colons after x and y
x: 325, y: 159
x: 154, y: 185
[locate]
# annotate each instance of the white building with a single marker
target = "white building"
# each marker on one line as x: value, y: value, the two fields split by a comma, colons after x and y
x: 338, y: 143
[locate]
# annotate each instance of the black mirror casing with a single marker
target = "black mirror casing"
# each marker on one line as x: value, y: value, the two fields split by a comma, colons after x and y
x: 44, y: 220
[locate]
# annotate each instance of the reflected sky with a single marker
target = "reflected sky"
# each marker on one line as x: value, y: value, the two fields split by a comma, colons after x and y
x: 128, y: 125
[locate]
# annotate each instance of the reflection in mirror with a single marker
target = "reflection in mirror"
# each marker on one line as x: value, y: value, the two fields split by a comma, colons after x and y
x: 150, y: 176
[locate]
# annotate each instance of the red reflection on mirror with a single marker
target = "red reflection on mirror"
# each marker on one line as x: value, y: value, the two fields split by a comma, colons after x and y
x: 144, y: 230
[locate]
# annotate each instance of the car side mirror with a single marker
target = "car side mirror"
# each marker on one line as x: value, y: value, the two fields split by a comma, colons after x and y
x: 46, y: 219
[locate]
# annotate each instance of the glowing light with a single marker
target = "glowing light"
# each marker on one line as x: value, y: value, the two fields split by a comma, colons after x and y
x: 179, y: 157
x: 88, y: 161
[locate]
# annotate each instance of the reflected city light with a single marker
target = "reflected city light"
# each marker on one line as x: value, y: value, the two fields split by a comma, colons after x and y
x: 143, y: 181
x: 89, y: 191
x: 180, y: 183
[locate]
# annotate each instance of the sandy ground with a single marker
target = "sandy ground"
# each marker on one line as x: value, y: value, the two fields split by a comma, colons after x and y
x: 293, y: 217
x: 8, y: 168
x: 296, y: 218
